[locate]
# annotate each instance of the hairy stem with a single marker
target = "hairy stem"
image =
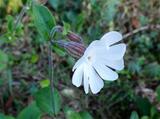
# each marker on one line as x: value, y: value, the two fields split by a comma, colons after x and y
x: 50, y: 68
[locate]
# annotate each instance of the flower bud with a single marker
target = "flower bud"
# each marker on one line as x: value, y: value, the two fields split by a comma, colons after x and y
x: 74, y: 37
x: 73, y: 48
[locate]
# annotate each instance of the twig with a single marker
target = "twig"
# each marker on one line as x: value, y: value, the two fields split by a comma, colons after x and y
x: 144, y: 28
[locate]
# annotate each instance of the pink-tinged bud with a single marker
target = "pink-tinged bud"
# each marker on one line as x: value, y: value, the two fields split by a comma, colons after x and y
x: 73, y: 48
x: 74, y: 37
x: 70, y: 35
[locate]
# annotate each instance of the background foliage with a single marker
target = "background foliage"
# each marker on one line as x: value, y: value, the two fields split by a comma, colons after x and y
x: 24, y: 83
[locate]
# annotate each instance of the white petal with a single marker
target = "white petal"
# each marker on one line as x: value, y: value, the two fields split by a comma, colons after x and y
x: 111, y: 37
x: 78, y: 63
x: 115, y: 64
x: 116, y: 52
x: 96, y: 50
x: 95, y: 82
x: 77, y: 76
x: 99, y: 51
x: 94, y: 46
x: 105, y: 72
x: 86, y: 79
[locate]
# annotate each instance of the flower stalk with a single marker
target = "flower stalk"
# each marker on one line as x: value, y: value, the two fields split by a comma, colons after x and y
x: 50, y: 70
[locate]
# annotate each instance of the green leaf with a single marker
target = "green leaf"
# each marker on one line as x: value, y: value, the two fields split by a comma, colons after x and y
x: 110, y: 11
x: 44, y: 101
x: 85, y: 115
x: 54, y: 3
x: 59, y: 51
x: 152, y: 70
x: 144, y: 105
x: 34, y: 58
x: 43, y: 20
x: 3, y: 60
x: 44, y: 83
x: 66, y: 28
x: 71, y: 114
x: 145, y: 117
x: 154, y: 113
x: 143, y: 20
x: 134, y: 115
x: 134, y: 66
x: 30, y: 112
x: 10, y: 23
x: 70, y: 61
x: 2, y: 116
x: 93, y: 2
x: 158, y: 93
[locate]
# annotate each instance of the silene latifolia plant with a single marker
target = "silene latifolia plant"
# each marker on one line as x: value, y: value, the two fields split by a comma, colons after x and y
x: 97, y: 62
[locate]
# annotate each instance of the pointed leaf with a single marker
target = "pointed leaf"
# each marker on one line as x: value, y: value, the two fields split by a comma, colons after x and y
x: 43, y: 20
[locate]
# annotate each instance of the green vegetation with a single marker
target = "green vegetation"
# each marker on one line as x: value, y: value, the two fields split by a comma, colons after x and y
x: 25, y: 27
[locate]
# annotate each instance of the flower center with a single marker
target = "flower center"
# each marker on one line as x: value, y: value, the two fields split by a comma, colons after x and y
x: 89, y: 58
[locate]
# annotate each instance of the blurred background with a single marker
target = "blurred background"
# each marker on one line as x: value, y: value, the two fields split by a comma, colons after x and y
x: 24, y: 82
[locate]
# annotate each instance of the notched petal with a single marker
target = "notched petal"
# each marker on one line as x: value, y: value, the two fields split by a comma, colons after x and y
x: 95, y: 82
x: 111, y: 38
x: 78, y: 63
x: 116, y: 52
x: 77, y: 76
x: 105, y: 72
x: 86, y: 79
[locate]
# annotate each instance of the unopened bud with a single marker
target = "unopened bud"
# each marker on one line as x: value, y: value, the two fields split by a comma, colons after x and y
x: 73, y: 48
x: 74, y: 37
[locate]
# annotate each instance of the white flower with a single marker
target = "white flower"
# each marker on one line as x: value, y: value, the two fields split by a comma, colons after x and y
x: 97, y: 61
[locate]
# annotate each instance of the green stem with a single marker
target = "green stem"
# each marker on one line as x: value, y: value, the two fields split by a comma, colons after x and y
x: 50, y: 63
x: 50, y: 67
